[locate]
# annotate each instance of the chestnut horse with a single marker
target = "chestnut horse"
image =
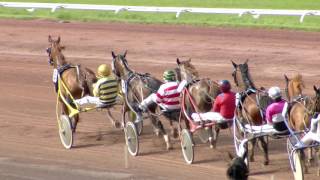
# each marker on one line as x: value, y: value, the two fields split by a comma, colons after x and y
x: 77, y: 79
x: 250, y: 112
x: 301, y: 109
x: 203, y: 92
x: 139, y: 86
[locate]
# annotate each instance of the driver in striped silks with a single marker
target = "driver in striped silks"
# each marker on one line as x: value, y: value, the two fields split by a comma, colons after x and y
x: 167, y: 96
x: 105, y: 90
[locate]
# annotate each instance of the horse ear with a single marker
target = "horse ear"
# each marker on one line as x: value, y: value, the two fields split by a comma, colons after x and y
x: 189, y: 60
x: 178, y: 61
x: 234, y: 64
x: 246, y: 61
x: 315, y: 88
x: 58, y: 40
x: 230, y: 156
x: 113, y: 55
x: 125, y: 53
x: 49, y: 39
x: 286, y: 77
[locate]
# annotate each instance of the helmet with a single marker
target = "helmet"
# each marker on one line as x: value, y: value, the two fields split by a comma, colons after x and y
x: 224, y: 85
x: 169, y: 75
x: 274, y: 92
x: 103, y: 70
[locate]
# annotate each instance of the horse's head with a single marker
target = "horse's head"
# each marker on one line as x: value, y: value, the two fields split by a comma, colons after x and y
x: 316, y: 100
x: 54, y: 52
x: 241, y: 76
x: 119, y: 64
x: 187, y: 70
x: 237, y: 169
x: 294, y: 86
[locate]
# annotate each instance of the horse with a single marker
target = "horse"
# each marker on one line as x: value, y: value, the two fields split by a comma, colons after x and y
x: 301, y: 109
x: 250, y: 112
x: 77, y: 79
x: 294, y: 87
x: 139, y: 86
x: 203, y: 92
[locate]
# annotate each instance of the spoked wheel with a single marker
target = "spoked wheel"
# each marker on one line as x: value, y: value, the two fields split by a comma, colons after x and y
x: 295, y: 162
x: 133, y: 118
x: 132, y: 140
x: 65, y: 127
x: 187, y: 146
x: 204, y: 134
x: 239, y: 136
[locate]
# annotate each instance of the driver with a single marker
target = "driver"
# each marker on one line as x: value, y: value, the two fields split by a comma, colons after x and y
x: 105, y: 90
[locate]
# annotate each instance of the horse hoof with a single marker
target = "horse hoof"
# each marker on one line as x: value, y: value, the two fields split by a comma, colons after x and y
x: 266, y: 163
x: 117, y: 124
x: 251, y: 159
x: 175, y: 133
x: 157, y: 132
x: 169, y: 147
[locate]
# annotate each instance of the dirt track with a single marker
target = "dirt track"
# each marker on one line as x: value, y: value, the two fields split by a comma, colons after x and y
x: 30, y: 147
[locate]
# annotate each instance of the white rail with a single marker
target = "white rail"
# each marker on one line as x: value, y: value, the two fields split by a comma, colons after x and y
x: 256, y: 13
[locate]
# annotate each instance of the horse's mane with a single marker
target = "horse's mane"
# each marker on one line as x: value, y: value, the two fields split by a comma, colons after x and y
x: 298, y: 79
x: 191, y: 69
x: 244, y: 69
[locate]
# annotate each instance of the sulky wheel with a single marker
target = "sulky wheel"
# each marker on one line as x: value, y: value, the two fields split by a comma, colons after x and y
x: 131, y: 116
x: 187, y: 146
x: 297, y: 171
x: 295, y: 161
x: 204, y: 134
x: 239, y: 137
x: 132, y: 140
x: 65, y: 132
x: 65, y: 128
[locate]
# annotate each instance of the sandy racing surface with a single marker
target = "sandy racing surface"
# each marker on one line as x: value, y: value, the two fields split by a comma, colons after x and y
x: 30, y: 147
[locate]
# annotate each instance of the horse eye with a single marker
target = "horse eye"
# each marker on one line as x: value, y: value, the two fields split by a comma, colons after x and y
x: 48, y: 50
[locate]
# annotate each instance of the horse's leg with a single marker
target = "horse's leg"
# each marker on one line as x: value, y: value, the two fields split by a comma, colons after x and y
x: 310, y: 157
x: 263, y: 144
x: 213, y: 137
x: 158, y: 125
x: 114, y: 122
x: 318, y: 160
x: 303, y: 161
x: 251, y: 145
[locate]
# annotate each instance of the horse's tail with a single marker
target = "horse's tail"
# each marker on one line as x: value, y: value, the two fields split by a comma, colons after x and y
x: 86, y: 78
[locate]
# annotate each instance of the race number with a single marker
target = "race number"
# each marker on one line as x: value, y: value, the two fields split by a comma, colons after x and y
x: 123, y: 86
x: 55, y: 76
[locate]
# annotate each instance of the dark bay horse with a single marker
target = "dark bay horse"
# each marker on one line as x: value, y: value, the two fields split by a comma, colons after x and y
x: 203, y: 92
x: 139, y: 87
x: 77, y: 79
x: 250, y: 113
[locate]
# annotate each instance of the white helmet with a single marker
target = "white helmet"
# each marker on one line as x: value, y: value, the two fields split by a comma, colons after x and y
x: 274, y: 92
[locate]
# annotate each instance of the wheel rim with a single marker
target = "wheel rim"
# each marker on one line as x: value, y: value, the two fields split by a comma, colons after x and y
x: 298, y: 173
x: 132, y: 139
x: 65, y: 132
x: 187, y: 146
x: 133, y: 118
x: 203, y: 135
x: 238, y: 135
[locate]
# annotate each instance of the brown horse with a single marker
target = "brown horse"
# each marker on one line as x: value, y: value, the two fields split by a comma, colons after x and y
x: 250, y: 112
x: 294, y: 87
x: 138, y: 87
x: 203, y: 92
x: 77, y: 79
x: 301, y: 109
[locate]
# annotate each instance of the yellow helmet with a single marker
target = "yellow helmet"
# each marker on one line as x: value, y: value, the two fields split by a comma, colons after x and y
x: 103, y: 70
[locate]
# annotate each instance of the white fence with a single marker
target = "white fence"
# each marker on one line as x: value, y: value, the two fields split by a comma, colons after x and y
x: 256, y: 13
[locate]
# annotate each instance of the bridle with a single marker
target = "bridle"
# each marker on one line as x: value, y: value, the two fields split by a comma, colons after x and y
x: 50, y: 61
